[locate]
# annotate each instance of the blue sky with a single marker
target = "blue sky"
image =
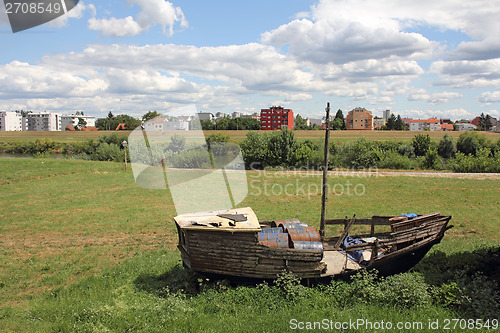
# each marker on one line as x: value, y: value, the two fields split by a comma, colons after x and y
x: 420, y: 60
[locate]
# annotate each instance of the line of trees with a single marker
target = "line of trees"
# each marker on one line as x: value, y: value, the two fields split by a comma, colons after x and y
x: 231, y: 124
x: 111, y: 122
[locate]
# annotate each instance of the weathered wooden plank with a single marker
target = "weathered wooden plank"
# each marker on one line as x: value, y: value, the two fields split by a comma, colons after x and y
x: 358, y: 222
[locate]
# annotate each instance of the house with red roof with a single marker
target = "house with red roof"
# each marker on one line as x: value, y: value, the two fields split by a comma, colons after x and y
x: 447, y: 127
x: 431, y: 124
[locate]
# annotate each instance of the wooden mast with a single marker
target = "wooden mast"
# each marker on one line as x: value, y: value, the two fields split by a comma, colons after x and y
x: 324, y: 195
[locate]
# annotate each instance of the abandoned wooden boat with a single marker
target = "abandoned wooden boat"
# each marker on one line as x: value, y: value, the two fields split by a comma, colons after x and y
x: 235, y: 243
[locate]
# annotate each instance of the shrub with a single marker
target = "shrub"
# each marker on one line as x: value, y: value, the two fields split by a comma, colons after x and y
x: 112, y: 138
x: 480, y: 163
x: 281, y: 145
x: 393, y: 160
x: 176, y: 144
x: 405, y: 290
x: 107, y: 152
x: 446, y: 147
x: 470, y: 143
x: 421, y: 144
x: 301, y: 155
x: 191, y: 159
x: 217, y: 137
x: 360, y: 153
x: 289, y: 285
x: 254, y: 150
x: 406, y: 149
x: 431, y: 160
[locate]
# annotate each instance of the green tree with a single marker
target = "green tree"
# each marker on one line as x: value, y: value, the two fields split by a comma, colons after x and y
x: 485, y: 122
x: 281, y: 145
x: 110, y: 119
x: 207, y: 125
x: 391, y: 123
x: 470, y: 143
x: 176, y: 144
x: 255, y: 151
x: 421, y: 144
x: 338, y: 122
x: 446, y: 147
x: 81, y: 123
x: 149, y: 116
x: 130, y: 122
x: 399, y: 124
x: 300, y: 123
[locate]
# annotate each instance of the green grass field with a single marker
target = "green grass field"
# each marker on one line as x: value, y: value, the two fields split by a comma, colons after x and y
x: 336, y: 136
x: 82, y: 248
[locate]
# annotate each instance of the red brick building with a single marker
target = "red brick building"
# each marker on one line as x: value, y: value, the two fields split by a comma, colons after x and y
x: 276, y: 118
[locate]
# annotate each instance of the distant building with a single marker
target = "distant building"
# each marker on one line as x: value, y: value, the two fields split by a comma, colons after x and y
x: 378, y: 122
x: 73, y: 119
x: 251, y: 116
x: 176, y: 125
x: 432, y: 124
x: 359, y: 119
x: 206, y: 116
x: 386, y: 115
x: 276, y: 117
x: 407, y: 121
x: 315, y: 121
x: 11, y: 121
x: 44, y: 121
x: 496, y: 128
x: 236, y: 114
x: 220, y: 115
x: 466, y: 126
x: 447, y: 127
x: 155, y: 124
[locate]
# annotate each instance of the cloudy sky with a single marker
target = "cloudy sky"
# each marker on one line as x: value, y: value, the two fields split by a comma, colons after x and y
x: 417, y: 58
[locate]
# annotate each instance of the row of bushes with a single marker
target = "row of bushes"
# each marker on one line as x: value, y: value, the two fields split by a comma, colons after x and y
x: 105, y: 148
x: 471, y: 153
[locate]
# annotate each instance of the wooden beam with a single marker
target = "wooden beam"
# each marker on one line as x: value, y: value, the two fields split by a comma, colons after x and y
x: 345, y: 232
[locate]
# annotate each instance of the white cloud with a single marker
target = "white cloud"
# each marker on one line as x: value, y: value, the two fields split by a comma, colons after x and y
x: 451, y: 113
x: 433, y: 98
x: 490, y: 97
x: 116, y: 27
x: 468, y: 74
x: 19, y: 79
x: 340, y: 41
x: 153, y: 12
x: 75, y: 13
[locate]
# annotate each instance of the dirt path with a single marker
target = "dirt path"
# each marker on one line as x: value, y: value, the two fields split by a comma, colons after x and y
x: 403, y: 173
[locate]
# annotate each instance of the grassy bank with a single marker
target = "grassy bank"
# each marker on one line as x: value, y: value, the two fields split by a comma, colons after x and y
x: 83, y: 248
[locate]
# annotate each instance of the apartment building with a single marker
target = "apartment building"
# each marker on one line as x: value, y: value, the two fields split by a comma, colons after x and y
x: 44, y: 121
x: 359, y: 119
x: 73, y: 119
x: 432, y: 124
x: 11, y: 121
x: 276, y: 117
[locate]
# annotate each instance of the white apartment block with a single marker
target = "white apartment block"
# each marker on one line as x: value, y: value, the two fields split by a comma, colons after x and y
x: 73, y: 119
x: 11, y: 121
x: 44, y: 121
x: 432, y: 124
x: 176, y: 125
x: 465, y: 126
